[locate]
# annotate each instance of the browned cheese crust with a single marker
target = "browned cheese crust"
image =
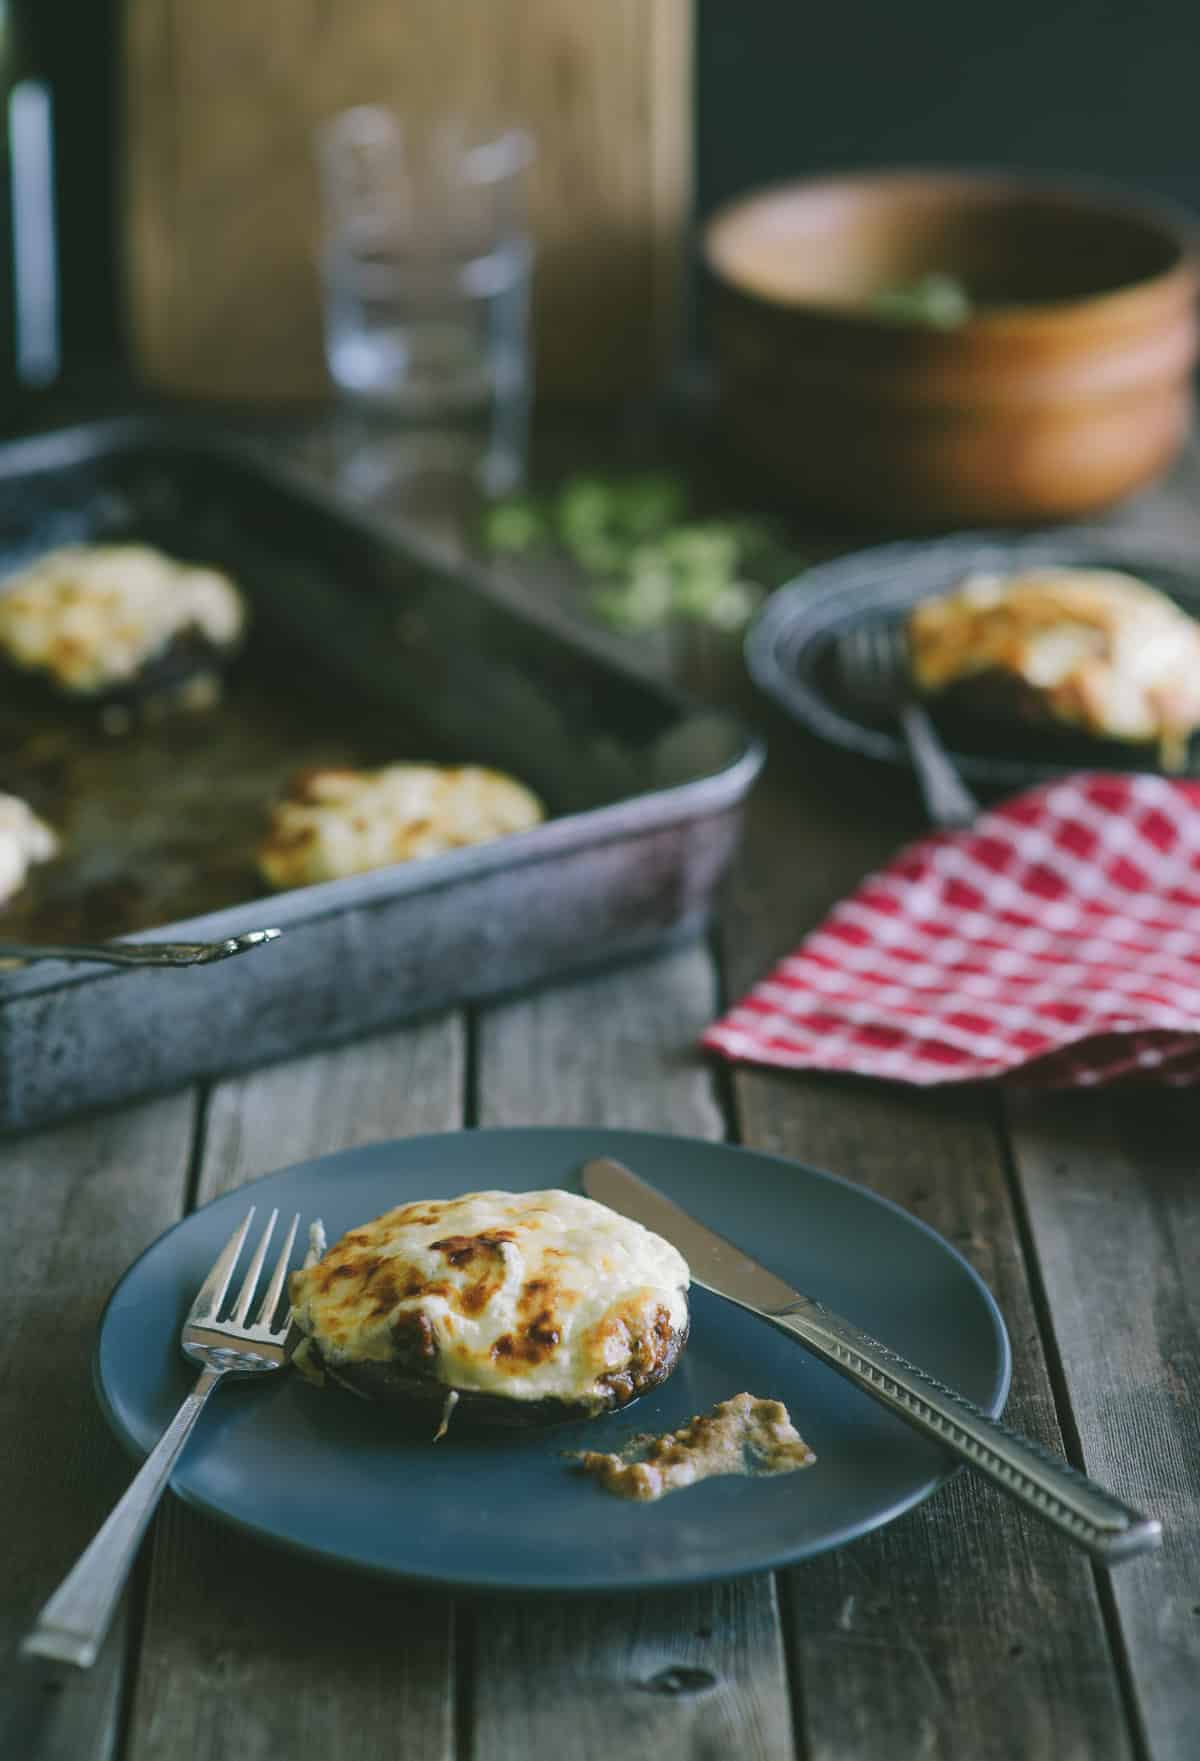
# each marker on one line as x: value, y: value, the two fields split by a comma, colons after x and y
x: 532, y: 1307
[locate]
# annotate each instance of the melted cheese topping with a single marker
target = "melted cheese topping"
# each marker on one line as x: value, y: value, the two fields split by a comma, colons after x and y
x: 532, y: 1295
x: 92, y: 615
x: 339, y: 822
x: 24, y: 841
x: 741, y: 1435
x: 1104, y: 651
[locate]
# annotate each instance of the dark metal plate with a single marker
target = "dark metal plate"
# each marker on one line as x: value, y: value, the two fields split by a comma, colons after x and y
x: 790, y: 648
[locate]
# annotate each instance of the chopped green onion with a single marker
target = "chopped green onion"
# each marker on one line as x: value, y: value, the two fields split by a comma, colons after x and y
x: 649, y: 562
x: 940, y: 301
x: 514, y: 527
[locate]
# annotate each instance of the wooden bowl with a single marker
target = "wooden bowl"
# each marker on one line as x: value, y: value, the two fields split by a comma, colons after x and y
x: 1067, y: 386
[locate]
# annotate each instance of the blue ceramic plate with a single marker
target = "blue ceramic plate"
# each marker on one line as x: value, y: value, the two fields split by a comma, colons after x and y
x: 334, y: 1477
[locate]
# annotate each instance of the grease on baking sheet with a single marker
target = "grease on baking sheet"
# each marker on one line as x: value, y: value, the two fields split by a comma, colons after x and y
x: 742, y: 1435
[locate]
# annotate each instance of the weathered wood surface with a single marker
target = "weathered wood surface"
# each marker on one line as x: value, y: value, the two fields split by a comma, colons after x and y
x: 79, y: 1203
x: 1112, y: 1202
x: 618, y: 1049
x: 221, y: 104
x: 586, y: 1681
x: 246, y: 1652
x: 691, y: 1676
x: 965, y: 1629
x: 214, y: 1681
x: 1111, y: 1189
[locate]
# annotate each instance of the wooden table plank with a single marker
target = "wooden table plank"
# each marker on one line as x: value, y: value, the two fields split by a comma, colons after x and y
x: 964, y: 1629
x: 694, y: 1673
x: 80, y: 1203
x: 1110, y: 1187
x: 618, y: 1049
x: 397, y: 1085
x: 249, y: 1653
x: 1108, y: 1184
x: 665, y: 1675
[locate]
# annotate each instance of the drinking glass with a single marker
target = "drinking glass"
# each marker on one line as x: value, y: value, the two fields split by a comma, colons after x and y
x: 426, y: 268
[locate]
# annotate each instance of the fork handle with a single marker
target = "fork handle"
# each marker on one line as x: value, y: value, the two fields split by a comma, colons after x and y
x: 1081, y: 1510
x: 949, y: 802
x: 72, y: 1625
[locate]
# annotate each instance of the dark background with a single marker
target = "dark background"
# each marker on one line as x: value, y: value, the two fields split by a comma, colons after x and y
x: 1056, y: 85
x: 782, y: 89
x: 72, y: 43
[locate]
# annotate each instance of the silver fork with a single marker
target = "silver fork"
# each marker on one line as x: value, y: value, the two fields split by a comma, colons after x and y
x: 72, y: 1625
x: 873, y: 667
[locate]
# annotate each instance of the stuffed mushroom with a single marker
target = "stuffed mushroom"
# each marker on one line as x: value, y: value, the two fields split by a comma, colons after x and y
x: 1089, y: 650
x: 530, y: 1307
x: 337, y: 822
x: 112, y: 627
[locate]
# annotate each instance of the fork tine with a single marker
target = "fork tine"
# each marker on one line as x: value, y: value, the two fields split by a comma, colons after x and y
x: 270, y: 1301
x: 211, y: 1293
x: 879, y: 637
x: 868, y: 671
x: 245, y: 1295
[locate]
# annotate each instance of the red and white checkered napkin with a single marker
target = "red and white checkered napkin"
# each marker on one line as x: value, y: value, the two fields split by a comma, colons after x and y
x: 1056, y: 942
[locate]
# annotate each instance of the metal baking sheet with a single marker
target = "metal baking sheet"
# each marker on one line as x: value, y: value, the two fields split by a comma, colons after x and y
x: 363, y: 649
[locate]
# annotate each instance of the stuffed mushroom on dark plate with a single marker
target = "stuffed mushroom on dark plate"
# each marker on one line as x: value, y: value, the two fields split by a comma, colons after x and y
x: 530, y: 1307
x: 1093, y: 650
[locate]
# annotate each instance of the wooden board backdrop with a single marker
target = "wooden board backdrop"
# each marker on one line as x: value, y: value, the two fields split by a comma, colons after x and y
x: 221, y: 101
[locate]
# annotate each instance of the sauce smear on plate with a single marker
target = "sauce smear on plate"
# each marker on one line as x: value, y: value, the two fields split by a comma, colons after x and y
x: 742, y: 1435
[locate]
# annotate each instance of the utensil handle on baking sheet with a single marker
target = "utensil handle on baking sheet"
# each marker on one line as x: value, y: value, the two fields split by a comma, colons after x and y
x: 141, y: 953
x: 1088, y: 1515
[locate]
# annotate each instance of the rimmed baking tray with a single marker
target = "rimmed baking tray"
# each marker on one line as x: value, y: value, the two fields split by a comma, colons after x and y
x: 365, y: 648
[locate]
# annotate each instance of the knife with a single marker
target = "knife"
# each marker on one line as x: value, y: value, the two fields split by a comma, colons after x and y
x: 1091, y: 1517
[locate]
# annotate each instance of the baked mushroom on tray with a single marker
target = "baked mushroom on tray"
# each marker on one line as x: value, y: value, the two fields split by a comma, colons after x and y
x: 1092, y: 651
x: 520, y: 1308
x: 338, y: 822
x: 117, y: 626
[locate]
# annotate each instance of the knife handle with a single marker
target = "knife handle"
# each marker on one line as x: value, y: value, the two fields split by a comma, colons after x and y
x: 1073, y: 1504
